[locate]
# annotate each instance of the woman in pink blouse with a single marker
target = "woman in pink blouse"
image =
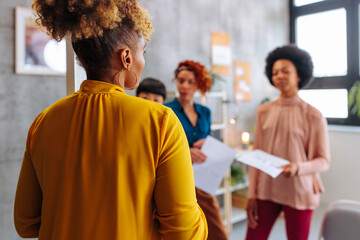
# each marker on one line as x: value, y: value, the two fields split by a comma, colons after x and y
x: 294, y: 130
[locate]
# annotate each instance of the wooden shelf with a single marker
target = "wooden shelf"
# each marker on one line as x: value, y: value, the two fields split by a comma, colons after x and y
x: 217, y: 126
x: 233, y: 188
x: 216, y: 101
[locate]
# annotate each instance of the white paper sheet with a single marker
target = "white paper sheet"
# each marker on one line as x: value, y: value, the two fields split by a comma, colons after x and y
x: 209, y: 174
x: 263, y: 161
x: 221, y: 55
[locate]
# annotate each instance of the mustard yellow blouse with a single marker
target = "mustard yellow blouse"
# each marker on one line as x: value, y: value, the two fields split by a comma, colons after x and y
x: 100, y: 164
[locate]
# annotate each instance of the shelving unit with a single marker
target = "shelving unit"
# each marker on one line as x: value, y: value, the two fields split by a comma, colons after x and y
x: 233, y: 188
x: 236, y: 214
x: 216, y: 101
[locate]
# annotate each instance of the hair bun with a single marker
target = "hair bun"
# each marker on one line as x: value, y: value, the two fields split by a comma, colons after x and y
x: 89, y: 18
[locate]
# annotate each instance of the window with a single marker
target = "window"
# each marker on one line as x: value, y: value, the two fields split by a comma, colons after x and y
x: 331, y: 102
x: 327, y: 46
x: 329, y: 31
x: 305, y: 2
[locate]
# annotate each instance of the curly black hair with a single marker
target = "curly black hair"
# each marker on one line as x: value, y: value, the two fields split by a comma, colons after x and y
x: 151, y: 85
x: 300, y: 58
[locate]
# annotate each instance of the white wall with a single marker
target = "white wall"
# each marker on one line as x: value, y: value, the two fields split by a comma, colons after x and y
x: 343, y: 178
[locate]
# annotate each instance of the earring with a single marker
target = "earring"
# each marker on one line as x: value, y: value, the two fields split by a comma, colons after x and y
x: 136, y: 81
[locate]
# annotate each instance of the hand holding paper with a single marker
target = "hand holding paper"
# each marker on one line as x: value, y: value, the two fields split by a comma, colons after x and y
x: 290, y: 170
x: 208, y: 175
x: 263, y: 161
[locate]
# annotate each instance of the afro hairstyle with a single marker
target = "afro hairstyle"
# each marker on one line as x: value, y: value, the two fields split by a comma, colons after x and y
x: 300, y: 58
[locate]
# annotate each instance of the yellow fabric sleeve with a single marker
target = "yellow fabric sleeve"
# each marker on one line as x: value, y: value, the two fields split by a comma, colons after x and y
x: 179, y: 214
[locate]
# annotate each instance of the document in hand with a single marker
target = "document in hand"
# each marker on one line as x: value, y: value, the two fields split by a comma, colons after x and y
x: 209, y: 174
x: 263, y: 161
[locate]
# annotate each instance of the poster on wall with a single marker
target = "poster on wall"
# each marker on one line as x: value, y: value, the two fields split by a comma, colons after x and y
x: 35, y: 52
x: 220, y: 53
x: 242, y: 76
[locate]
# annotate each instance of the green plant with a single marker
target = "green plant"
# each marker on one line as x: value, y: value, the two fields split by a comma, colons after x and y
x: 237, y: 175
x: 265, y: 100
x: 354, y: 99
x: 216, y: 77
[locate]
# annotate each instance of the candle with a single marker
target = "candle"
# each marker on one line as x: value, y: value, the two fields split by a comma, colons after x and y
x: 245, y: 138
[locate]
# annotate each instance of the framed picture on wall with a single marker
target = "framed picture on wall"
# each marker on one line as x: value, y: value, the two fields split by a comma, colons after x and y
x: 35, y: 52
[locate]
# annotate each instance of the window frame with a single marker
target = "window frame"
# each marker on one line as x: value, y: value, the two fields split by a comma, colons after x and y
x: 352, y: 28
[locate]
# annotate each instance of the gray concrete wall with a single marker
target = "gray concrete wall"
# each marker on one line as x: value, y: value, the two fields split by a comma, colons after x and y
x: 22, y: 97
x: 182, y: 32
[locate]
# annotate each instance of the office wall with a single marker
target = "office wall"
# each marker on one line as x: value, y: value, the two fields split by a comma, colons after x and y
x: 182, y: 32
x: 342, y: 179
x: 22, y: 97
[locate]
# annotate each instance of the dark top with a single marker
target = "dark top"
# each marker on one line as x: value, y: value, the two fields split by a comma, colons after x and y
x: 202, y: 128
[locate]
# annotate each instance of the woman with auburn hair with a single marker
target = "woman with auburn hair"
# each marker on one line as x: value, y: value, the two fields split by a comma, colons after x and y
x: 191, y: 76
x: 100, y: 164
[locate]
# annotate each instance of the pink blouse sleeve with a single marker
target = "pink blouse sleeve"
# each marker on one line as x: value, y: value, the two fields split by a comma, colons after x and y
x: 318, y: 150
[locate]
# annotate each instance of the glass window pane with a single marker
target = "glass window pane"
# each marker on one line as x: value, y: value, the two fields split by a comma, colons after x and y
x: 359, y: 34
x: 323, y: 35
x: 332, y: 103
x: 305, y: 2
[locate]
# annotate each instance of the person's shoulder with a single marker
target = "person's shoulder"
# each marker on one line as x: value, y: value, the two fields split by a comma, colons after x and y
x: 42, y: 117
x: 171, y: 104
x: 203, y: 108
x: 264, y: 107
x: 312, y: 111
x: 145, y: 105
x: 58, y: 105
x: 38, y: 120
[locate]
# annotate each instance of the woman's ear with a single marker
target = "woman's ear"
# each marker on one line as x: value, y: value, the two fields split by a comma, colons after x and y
x: 126, y: 58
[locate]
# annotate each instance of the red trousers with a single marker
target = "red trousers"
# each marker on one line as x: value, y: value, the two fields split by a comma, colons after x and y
x: 297, y: 221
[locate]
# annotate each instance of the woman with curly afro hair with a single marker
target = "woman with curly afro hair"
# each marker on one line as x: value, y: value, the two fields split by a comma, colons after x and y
x: 191, y: 76
x: 100, y: 164
x: 291, y: 129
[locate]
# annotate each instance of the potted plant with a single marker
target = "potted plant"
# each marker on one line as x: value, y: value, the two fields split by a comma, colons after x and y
x: 216, y: 77
x: 354, y: 99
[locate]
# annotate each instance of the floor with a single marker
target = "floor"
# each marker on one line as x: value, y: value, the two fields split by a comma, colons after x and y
x: 278, y: 232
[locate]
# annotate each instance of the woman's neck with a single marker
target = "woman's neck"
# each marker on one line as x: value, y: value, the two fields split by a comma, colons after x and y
x: 289, y: 94
x: 113, y: 78
x: 186, y: 104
